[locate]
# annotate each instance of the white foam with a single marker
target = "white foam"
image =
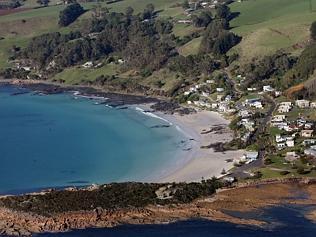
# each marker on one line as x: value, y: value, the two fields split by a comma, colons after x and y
x: 153, y: 115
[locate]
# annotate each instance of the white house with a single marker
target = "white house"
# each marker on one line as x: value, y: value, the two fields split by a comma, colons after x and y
x: 302, y: 103
x: 205, y: 94
x: 291, y: 156
x: 307, y: 133
x: 210, y: 81
x: 279, y: 138
x: 87, y: 64
x: 281, y: 145
x: 185, y: 21
x: 268, y: 88
x: 220, y: 89
x: 279, y: 118
x: 311, y: 151
x: 257, y: 105
x: 290, y: 143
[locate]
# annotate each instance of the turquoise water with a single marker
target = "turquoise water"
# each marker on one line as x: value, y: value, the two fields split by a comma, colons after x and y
x: 56, y: 140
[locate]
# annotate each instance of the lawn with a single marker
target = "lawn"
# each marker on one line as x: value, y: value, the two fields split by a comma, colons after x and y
x: 269, y: 25
x: 75, y: 75
x: 191, y: 47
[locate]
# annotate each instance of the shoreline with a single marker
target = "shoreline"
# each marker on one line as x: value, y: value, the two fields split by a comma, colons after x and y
x: 200, y: 163
x: 188, y: 165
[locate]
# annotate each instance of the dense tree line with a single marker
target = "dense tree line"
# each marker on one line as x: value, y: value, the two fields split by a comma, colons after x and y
x: 112, y: 196
x: 269, y: 66
x: 70, y: 14
x: 10, y: 4
x: 144, y: 45
x: 217, y: 39
x: 193, y: 65
x: 304, y: 68
x: 41, y: 49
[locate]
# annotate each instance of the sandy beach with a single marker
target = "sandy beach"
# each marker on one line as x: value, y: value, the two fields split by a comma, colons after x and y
x: 199, y: 162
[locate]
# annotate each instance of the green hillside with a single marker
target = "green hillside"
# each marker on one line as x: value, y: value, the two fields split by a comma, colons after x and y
x: 269, y: 25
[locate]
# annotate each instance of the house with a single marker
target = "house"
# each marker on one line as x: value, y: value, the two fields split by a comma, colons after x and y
x: 185, y: 21
x: 214, y: 105
x: 87, y: 64
x: 285, y: 107
x: 311, y: 151
x: 279, y: 138
x: 223, y: 107
x: 313, y: 105
x: 307, y: 133
x: 308, y: 125
x: 189, y: 102
x: 279, y: 118
x: 192, y: 89
x: 219, y: 97
x: 210, y: 81
x: 301, y: 122
x: 286, y: 103
x: 290, y: 143
x: 268, y: 88
x: 291, y: 156
x: 252, y: 155
x: 288, y: 128
x: 251, y: 101
x: 257, y: 105
x: 228, y: 98
x: 205, y: 94
x: 220, y: 89
x: 244, y: 113
x: 302, y: 104
x: 308, y: 142
x: 277, y: 93
x: 26, y: 68
x: 251, y: 89
x: 281, y: 145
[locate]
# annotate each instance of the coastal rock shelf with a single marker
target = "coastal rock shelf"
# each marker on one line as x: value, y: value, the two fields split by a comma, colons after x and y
x: 15, y: 220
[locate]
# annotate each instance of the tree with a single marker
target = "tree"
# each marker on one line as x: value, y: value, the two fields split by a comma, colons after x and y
x: 149, y: 11
x: 129, y: 11
x: 313, y: 30
x: 223, y: 11
x: 203, y: 20
x: 150, y: 7
x: 70, y: 14
x: 43, y: 2
x: 185, y: 4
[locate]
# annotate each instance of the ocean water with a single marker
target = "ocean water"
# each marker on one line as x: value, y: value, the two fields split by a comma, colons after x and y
x: 283, y: 221
x: 57, y: 141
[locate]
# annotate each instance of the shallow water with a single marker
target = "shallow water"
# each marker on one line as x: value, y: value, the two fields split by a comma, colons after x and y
x: 56, y: 140
x: 283, y: 222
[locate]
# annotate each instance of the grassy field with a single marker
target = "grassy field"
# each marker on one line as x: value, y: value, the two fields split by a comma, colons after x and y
x: 269, y: 25
x: 75, y: 75
x: 191, y: 47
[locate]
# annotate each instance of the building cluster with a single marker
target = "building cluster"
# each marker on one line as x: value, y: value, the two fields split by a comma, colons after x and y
x: 223, y: 103
x: 299, y: 129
